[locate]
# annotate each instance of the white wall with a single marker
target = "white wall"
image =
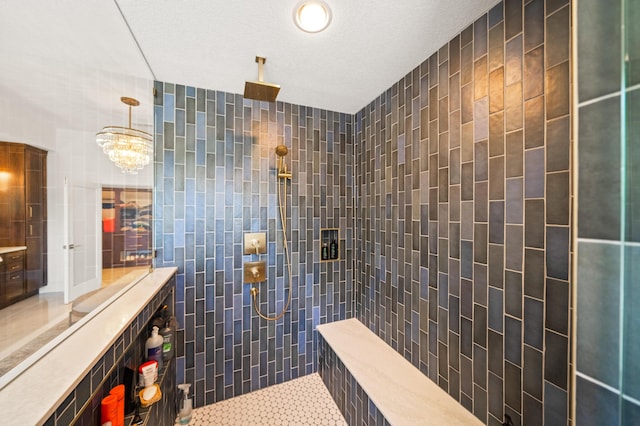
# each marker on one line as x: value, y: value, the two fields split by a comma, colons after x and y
x: 76, y: 156
x: 64, y: 68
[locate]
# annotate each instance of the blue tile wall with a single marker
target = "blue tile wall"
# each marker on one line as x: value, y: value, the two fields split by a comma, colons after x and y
x: 607, y: 385
x: 215, y: 171
x: 463, y: 212
x: 461, y: 220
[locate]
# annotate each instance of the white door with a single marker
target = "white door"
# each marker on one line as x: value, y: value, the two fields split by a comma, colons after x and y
x: 83, y: 239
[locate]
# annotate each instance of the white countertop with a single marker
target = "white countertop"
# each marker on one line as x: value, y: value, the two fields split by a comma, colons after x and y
x: 33, y: 396
x: 4, y: 250
x: 400, y: 391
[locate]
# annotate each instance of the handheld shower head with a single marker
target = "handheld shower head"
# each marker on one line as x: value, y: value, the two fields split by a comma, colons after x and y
x: 281, y: 152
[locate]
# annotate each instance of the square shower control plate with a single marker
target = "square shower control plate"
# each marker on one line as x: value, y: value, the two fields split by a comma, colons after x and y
x: 255, y: 272
x: 255, y: 243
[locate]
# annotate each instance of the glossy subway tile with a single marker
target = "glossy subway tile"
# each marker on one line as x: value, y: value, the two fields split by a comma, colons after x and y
x: 507, y: 130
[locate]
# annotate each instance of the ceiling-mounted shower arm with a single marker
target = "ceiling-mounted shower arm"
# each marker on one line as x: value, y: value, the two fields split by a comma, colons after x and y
x: 261, y: 61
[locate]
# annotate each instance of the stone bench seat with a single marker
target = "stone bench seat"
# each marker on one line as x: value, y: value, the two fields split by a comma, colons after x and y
x: 393, y: 390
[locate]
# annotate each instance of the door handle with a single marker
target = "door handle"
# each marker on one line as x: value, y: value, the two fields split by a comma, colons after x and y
x: 70, y: 246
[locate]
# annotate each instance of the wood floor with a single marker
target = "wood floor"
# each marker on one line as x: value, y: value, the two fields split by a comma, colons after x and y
x: 114, y: 275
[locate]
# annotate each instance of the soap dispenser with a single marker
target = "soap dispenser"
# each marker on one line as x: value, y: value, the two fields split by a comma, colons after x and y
x: 186, y: 405
x: 153, y: 347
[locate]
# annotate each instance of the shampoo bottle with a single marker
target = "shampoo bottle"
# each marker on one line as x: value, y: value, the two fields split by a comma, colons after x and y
x: 186, y: 405
x: 333, y: 250
x: 168, y: 340
x: 153, y: 347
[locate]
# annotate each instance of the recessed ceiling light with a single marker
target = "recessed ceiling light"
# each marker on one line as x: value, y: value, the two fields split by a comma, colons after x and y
x: 312, y: 16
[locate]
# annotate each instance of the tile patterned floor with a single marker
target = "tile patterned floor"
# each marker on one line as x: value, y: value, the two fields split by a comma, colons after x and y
x: 303, y: 401
x: 8, y: 362
x: 28, y: 319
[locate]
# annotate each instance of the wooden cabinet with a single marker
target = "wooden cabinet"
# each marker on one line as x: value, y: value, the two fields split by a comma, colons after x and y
x: 23, y: 214
x: 35, y: 219
x: 3, y: 279
x: 12, y: 283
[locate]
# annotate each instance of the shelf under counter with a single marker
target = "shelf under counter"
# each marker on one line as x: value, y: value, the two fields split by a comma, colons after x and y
x: 64, y: 373
x: 153, y: 414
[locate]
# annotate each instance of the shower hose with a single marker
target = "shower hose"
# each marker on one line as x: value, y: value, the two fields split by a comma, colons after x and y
x: 282, y: 202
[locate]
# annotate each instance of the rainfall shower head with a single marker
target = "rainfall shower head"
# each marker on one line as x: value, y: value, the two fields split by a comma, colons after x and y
x: 259, y: 90
x: 281, y: 150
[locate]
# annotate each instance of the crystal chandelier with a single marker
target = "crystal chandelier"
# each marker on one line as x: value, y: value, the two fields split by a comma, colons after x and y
x: 129, y: 148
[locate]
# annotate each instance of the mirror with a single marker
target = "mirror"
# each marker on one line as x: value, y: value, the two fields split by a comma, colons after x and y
x: 66, y: 65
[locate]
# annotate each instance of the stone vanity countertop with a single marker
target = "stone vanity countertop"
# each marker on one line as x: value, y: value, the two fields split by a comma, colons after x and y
x: 5, y: 250
x: 31, y: 397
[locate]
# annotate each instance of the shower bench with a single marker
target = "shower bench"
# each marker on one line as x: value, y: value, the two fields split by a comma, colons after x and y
x: 373, y: 384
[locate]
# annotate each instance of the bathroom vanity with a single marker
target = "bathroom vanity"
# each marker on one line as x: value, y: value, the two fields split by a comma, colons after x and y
x: 12, y: 286
x: 66, y: 384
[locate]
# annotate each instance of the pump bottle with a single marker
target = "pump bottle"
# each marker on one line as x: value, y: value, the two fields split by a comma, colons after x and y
x: 153, y: 347
x: 186, y: 405
x: 168, y: 339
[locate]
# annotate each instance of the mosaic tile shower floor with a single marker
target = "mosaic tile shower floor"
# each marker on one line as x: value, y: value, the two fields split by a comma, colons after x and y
x: 303, y: 401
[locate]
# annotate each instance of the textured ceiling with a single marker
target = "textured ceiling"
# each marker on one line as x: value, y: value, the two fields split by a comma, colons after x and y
x: 65, y: 64
x: 369, y: 45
